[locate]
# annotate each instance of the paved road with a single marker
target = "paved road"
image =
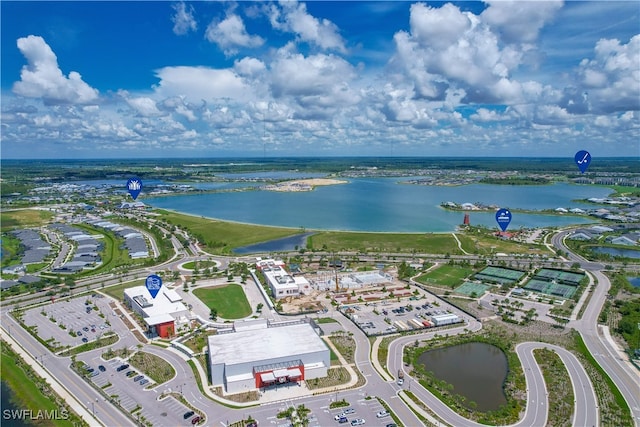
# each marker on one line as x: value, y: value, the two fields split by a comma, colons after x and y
x: 585, y: 408
x: 626, y: 378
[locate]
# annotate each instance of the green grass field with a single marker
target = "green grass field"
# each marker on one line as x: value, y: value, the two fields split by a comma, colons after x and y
x: 222, y: 236
x: 384, y: 242
x: 228, y: 300
x: 117, y: 291
x: 26, y: 395
x: 24, y: 218
x: 447, y: 276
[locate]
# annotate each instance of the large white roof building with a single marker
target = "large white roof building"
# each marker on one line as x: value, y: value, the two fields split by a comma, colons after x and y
x: 262, y: 354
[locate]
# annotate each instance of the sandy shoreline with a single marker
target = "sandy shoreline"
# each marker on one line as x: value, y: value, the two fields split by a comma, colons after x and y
x: 303, y: 184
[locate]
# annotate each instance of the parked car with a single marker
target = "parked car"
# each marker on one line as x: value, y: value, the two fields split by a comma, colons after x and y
x: 382, y: 414
x: 138, y: 378
x: 85, y: 329
x: 85, y: 340
x: 79, y: 333
x: 122, y: 367
x: 144, y: 381
x: 102, y: 368
x: 349, y: 411
x: 342, y: 420
x: 188, y: 414
x: 357, y: 422
x: 391, y: 425
x: 195, y: 420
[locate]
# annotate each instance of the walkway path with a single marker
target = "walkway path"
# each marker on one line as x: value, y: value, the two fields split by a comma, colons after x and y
x: 460, y: 244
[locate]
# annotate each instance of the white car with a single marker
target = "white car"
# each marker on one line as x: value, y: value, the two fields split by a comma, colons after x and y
x: 357, y: 421
x: 382, y: 414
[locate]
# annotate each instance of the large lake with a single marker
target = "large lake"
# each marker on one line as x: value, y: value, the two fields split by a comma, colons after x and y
x: 384, y: 204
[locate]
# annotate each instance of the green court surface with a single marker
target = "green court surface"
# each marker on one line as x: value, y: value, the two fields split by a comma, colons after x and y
x: 561, y: 276
x: 468, y: 288
x: 549, y: 288
x: 500, y: 275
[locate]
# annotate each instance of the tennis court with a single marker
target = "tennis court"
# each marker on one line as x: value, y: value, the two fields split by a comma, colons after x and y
x: 560, y: 276
x: 550, y: 288
x: 468, y: 288
x: 499, y: 275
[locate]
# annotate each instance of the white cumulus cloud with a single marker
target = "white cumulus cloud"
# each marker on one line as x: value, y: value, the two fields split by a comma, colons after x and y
x: 42, y: 77
x: 230, y: 34
x: 294, y: 18
x: 520, y: 21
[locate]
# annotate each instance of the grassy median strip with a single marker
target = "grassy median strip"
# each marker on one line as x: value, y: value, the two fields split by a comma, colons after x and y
x: 614, y: 410
x: 558, y: 384
x: 105, y: 340
x: 155, y: 367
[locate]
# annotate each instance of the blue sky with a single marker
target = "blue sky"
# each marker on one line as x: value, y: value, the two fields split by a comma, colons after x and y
x: 208, y: 79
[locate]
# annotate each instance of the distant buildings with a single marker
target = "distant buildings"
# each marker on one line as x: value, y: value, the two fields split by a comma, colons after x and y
x: 259, y: 354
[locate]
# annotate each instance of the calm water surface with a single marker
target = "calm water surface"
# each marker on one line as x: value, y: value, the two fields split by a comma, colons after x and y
x: 617, y: 252
x: 383, y: 204
x: 476, y: 370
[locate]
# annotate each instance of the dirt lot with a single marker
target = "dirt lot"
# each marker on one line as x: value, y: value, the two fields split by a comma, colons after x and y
x: 304, y: 303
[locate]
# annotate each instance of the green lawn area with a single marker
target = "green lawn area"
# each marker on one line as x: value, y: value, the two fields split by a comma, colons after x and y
x: 26, y: 395
x: 433, y: 243
x: 191, y: 265
x: 484, y: 243
x: 156, y: 368
x: 117, y: 291
x: 223, y: 236
x: 228, y: 300
x: 448, y: 276
x: 24, y: 218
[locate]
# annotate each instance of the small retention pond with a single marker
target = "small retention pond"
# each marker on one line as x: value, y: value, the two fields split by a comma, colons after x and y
x: 476, y: 370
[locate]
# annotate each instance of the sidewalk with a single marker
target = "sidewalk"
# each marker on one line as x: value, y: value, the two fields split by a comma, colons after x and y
x: 621, y: 354
x: 376, y: 363
x: 69, y: 398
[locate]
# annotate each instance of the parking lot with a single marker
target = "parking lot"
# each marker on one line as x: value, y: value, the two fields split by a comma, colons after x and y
x: 363, y: 409
x: 385, y: 317
x: 128, y: 387
x: 86, y: 317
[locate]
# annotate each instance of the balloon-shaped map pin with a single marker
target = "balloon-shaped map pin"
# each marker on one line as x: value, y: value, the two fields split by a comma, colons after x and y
x: 503, y: 218
x: 582, y: 159
x: 153, y: 283
x: 134, y: 186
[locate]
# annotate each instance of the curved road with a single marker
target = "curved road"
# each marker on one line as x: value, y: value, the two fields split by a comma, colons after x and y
x: 585, y: 410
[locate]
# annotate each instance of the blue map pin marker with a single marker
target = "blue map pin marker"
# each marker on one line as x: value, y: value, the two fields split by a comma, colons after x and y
x: 503, y: 218
x: 134, y: 186
x: 583, y: 159
x: 153, y: 283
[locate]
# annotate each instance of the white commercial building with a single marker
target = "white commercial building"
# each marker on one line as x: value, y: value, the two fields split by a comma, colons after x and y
x: 281, y: 282
x: 159, y: 313
x: 445, y: 319
x: 261, y: 354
